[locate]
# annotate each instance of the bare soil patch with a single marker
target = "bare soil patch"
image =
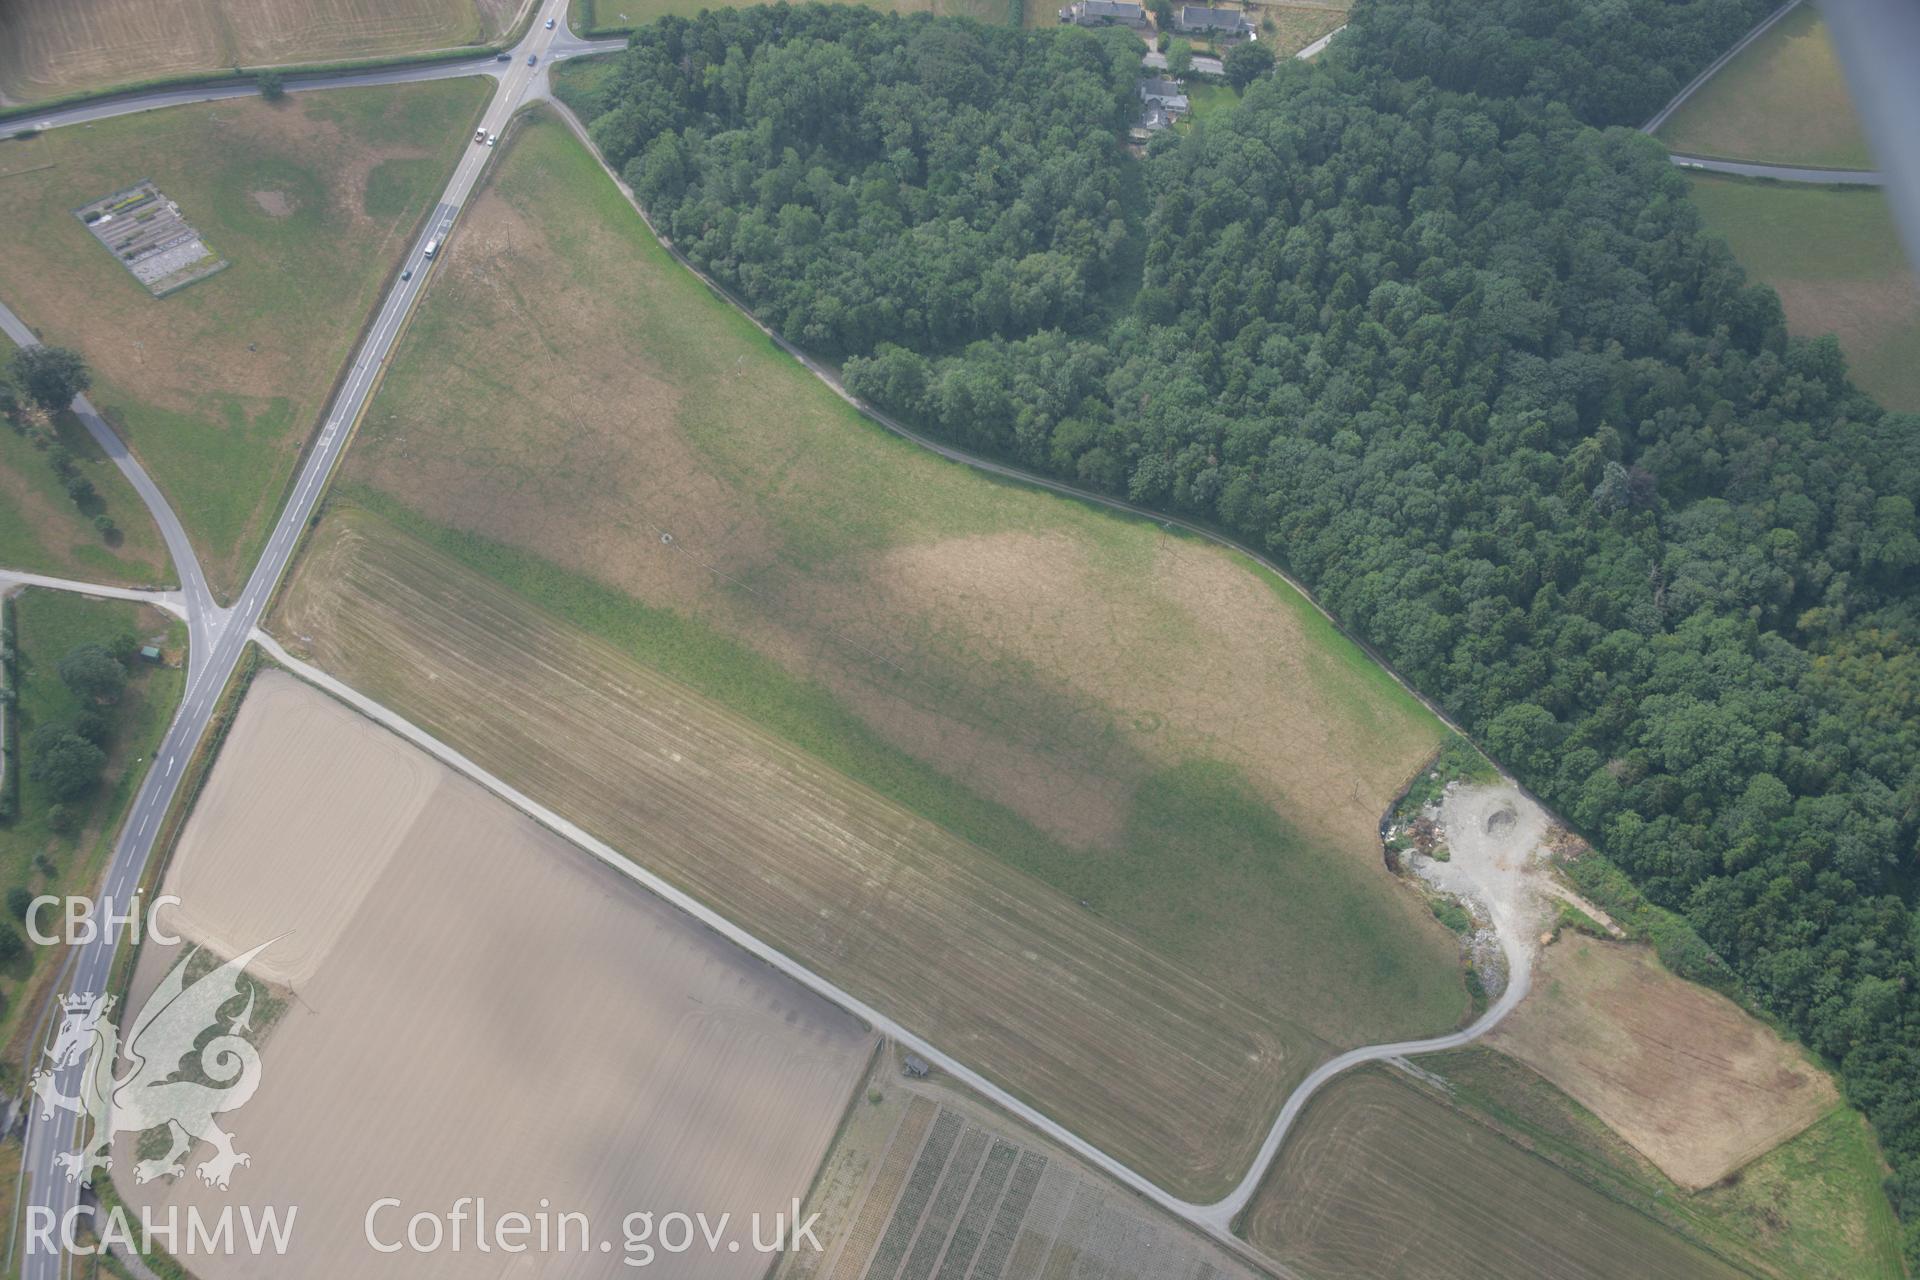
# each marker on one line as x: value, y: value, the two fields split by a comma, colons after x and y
x: 275, y: 204
x: 480, y: 1009
x: 1689, y: 1079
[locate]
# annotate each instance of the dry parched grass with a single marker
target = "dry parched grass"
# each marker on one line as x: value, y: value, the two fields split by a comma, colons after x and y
x: 1783, y: 100
x: 1133, y: 1051
x: 1204, y: 756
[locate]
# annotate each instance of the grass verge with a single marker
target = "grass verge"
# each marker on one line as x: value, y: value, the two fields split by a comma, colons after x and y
x: 36, y: 855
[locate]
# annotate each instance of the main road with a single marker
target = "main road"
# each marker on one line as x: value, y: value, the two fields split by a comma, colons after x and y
x: 223, y: 635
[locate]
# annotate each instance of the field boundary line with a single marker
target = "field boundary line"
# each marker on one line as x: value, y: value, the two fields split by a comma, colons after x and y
x: 1205, y: 1217
x: 297, y: 75
x: 1763, y: 171
x: 1714, y: 68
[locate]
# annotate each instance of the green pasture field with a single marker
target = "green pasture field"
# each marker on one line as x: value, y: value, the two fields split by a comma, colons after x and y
x: 216, y: 388
x: 42, y: 531
x: 1813, y: 1206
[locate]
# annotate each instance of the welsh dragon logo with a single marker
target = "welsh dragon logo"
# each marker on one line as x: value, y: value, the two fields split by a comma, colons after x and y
x: 148, y: 1096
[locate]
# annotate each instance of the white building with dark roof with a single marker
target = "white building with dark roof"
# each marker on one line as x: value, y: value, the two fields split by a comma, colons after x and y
x: 1199, y: 19
x: 1105, y: 13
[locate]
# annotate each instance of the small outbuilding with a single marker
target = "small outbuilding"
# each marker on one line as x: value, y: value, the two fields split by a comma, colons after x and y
x: 917, y: 1067
x: 149, y: 653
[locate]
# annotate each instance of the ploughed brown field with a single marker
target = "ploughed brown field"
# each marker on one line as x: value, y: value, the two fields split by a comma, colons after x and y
x: 471, y: 1006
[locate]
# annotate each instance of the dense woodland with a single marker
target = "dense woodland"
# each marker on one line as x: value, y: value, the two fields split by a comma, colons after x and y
x: 1612, y: 61
x: 860, y: 179
x: 1468, y: 366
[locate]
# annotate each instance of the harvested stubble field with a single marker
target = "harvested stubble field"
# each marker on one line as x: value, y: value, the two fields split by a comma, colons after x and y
x: 1692, y: 1081
x: 927, y: 1183
x: 1783, y: 100
x: 1835, y: 259
x: 216, y: 387
x: 1139, y: 722
x: 1813, y: 1208
x: 477, y: 1009
x: 1015, y: 978
x: 1380, y: 1179
x: 53, y: 47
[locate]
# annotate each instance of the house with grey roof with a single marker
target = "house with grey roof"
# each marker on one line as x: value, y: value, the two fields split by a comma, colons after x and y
x: 1105, y: 13
x: 1161, y: 103
x: 1199, y: 19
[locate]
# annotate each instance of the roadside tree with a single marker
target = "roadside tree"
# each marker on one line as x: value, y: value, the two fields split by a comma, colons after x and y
x: 1247, y: 62
x: 50, y: 376
x: 66, y: 762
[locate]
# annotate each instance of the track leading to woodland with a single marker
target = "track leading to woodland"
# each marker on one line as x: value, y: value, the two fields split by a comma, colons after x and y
x: 1218, y: 1217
